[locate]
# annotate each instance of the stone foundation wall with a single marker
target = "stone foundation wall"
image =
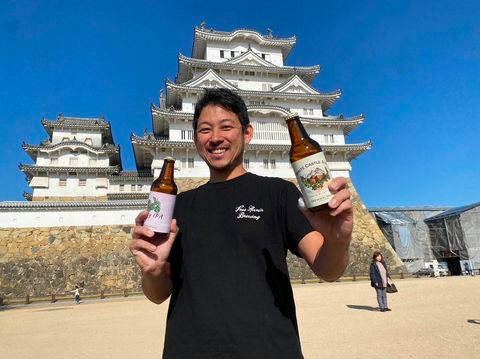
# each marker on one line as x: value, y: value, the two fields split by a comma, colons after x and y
x: 42, y: 261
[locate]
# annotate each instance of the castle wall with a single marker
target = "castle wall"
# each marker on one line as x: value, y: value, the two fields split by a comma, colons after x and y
x: 39, y: 261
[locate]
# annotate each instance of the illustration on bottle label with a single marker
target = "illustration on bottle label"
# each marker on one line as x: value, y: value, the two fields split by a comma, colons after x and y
x: 313, y: 175
x: 160, y: 211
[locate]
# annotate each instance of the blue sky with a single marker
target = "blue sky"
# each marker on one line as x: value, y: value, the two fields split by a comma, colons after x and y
x: 412, y: 67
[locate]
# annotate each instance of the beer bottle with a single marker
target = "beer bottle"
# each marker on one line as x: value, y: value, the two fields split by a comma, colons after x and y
x: 161, y: 200
x: 310, y: 166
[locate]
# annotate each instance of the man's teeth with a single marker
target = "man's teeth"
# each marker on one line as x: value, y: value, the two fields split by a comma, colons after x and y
x: 218, y: 150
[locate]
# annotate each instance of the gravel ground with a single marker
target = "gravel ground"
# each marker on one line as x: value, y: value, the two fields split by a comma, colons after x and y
x: 430, y: 318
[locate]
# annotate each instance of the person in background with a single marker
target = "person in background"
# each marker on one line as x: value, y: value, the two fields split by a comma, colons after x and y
x: 379, y: 278
x: 76, y: 294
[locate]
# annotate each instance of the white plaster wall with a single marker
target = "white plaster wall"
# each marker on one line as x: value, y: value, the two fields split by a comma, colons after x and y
x: 127, y: 187
x: 212, y: 52
x: 175, y: 131
x: 266, y: 128
x: 72, y: 188
x: 59, y: 135
x: 58, y: 218
x: 65, y: 158
x: 318, y: 134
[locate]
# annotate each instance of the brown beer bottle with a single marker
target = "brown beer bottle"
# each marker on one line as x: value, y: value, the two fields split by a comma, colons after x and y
x: 161, y: 200
x: 310, y: 166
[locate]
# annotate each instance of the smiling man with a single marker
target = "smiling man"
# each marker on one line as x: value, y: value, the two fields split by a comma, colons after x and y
x: 224, y: 261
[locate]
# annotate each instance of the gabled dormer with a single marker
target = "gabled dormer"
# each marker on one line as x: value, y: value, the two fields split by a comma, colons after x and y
x: 209, y: 79
x: 295, y: 85
x: 250, y: 58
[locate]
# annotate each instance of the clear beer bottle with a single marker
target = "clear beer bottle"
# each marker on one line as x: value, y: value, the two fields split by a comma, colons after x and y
x: 309, y: 165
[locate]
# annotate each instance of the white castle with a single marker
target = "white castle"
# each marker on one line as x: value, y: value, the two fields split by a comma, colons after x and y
x: 78, y: 168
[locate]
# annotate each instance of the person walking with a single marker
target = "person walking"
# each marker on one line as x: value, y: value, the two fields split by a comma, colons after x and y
x: 76, y: 294
x: 379, y: 279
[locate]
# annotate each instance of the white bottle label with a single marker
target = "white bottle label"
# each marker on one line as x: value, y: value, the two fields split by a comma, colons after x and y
x: 160, y: 211
x: 313, y: 175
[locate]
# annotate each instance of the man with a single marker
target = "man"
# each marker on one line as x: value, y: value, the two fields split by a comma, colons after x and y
x: 223, y: 262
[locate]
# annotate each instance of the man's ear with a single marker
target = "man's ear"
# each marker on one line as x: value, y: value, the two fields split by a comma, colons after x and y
x: 248, y: 134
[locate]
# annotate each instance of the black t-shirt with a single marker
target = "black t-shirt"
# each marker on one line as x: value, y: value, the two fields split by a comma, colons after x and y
x: 232, y: 296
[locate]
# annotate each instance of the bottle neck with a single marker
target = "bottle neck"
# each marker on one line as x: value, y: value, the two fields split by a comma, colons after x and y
x: 296, y: 130
x: 167, y: 170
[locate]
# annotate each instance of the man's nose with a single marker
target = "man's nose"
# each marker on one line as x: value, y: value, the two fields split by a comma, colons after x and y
x: 216, y: 135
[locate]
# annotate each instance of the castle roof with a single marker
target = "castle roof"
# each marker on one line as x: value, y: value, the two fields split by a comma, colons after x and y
x: 131, y: 176
x: 347, y: 123
x: 33, y: 170
x: 127, y: 196
x: 326, y: 98
x: 112, y: 150
x: 79, y: 123
x: 72, y: 205
x: 242, y: 62
x: 203, y: 35
x: 139, y: 144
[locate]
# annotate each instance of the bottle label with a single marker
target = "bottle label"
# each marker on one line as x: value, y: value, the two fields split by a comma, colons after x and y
x: 313, y: 175
x: 160, y: 211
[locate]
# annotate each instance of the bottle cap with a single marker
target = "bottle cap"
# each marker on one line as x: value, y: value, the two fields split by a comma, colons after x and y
x: 292, y: 115
x: 169, y: 158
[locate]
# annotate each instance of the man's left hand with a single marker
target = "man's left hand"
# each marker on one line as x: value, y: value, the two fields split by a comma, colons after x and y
x: 335, y: 223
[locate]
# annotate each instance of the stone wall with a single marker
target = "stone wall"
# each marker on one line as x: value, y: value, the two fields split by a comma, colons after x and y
x: 42, y: 261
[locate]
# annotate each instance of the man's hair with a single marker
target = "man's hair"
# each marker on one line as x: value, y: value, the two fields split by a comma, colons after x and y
x: 225, y: 98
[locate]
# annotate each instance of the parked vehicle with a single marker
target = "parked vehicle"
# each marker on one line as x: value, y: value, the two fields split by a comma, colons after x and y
x: 424, y: 272
x: 442, y: 270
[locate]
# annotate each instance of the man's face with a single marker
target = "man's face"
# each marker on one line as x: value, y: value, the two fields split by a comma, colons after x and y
x: 220, y: 140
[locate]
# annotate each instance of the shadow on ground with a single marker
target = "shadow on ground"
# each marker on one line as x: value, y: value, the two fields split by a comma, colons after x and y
x: 363, y: 307
x: 474, y: 321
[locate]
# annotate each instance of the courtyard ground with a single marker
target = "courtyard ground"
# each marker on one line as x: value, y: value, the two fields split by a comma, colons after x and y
x: 430, y: 318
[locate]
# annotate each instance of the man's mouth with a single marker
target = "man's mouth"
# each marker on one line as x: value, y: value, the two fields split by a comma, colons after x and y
x: 218, y: 151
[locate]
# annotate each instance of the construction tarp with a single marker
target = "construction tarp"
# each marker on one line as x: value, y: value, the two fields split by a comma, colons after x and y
x: 456, y: 233
x: 399, y: 229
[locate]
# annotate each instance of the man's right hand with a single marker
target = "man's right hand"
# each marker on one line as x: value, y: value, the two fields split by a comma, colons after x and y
x: 150, y: 249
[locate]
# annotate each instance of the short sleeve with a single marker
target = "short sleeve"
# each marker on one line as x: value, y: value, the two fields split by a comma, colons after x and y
x: 296, y: 224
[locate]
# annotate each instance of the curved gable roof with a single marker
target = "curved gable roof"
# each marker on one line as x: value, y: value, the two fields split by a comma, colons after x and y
x: 295, y: 82
x: 209, y: 76
x: 250, y: 58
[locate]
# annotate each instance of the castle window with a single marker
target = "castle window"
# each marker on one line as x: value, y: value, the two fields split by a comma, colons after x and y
x: 54, y: 160
x: 62, y: 182
x: 246, y: 162
x: 222, y: 54
x: 232, y: 53
x: 188, y: 162
x: 82, y: 182
x: 122, y: 188
x: 273, y: 163
x: 187, y: 134
x: 265, y: 163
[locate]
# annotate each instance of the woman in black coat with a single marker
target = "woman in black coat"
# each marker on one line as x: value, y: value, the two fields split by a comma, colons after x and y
x: 379, y: 278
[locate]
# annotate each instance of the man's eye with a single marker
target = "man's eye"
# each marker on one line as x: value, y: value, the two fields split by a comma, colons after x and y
x: 204, y: 130
x: 227, y: 128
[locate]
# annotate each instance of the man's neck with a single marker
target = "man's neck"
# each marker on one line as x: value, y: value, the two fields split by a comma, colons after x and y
x: 216, y: 176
